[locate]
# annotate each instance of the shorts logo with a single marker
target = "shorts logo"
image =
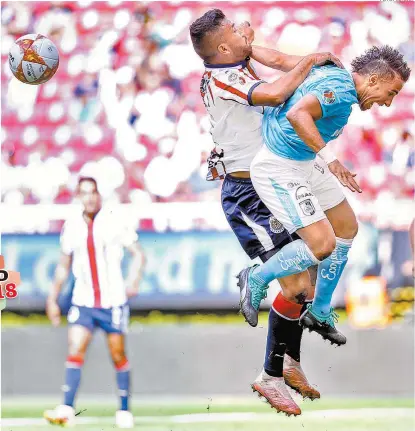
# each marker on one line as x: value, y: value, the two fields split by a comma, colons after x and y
x: 319, y: 168
x: 307, y: 207
x: 275, y: 225
x: 329, y: 97
x: 73, y: 314
x: 302, y: 192
x: 232, y: 77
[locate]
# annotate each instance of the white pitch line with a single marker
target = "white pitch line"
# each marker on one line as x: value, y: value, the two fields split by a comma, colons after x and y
x: 229, y: 417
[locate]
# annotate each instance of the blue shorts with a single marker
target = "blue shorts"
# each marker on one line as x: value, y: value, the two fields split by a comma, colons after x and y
x: 111, y: 320
x: 257, y: 230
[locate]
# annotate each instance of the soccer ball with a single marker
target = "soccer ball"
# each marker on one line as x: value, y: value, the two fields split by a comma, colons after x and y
x: 33, y: 59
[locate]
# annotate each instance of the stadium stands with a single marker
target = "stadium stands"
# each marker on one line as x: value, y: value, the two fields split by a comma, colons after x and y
x: 124, y: 105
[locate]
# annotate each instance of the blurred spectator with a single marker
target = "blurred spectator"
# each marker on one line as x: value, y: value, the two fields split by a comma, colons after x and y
x: 128, y: 88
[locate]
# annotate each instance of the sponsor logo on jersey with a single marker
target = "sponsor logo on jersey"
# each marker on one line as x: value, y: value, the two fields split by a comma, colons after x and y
x: 329, y: 97
x: 319, y: 168
x: 242, y: 80
x: 275, y: 225
x: 302, y: 192
x: 307, y: 207
x: 292, y: 185
x: 232, y: 77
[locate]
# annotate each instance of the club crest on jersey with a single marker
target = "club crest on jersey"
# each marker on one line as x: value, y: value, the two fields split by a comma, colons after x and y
x: 275, y: 225
x: 307, y: 207
x: 232, y: 77
x: 329, y: 97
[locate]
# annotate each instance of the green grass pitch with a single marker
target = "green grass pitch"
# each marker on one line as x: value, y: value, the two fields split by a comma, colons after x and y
x: 230, y: 415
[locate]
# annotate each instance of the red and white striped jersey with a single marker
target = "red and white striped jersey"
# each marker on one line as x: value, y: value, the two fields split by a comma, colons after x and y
x: 235, y: 124
x: 97, y: 250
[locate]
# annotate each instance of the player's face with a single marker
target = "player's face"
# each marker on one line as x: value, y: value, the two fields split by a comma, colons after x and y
x: 380, y: 91
x: 235, y: 43
x: 89, y: 196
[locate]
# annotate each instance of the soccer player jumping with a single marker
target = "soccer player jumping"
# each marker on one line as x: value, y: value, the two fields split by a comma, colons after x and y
x: 234, y: 97
x: 92, y: 243
x: 302, y: 192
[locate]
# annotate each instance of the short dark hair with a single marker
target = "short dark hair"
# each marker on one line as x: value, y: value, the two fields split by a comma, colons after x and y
x: 206, y: 24
x: 87, y: 179
x: 384, y: 60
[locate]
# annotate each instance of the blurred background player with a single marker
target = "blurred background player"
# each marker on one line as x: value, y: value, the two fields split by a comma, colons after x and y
x: 234, y: 97
x: 92, y: 244
x: 304, y: 195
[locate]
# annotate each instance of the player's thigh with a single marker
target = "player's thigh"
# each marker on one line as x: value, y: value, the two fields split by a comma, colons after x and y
x: 343, y: 220
x: 284, y: 187
x: 332, y: 200
x: 80, y: 330
x: 257, y: 230
x: 113, y: 320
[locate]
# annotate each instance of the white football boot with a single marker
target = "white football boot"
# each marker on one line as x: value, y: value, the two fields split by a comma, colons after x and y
x: 61, y: 415
x: 124, y: 419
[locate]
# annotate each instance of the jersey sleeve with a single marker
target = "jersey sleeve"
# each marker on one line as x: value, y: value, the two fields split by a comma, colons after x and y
x: 66, y: 239
x: 236, y: 85
x: 333, y: 100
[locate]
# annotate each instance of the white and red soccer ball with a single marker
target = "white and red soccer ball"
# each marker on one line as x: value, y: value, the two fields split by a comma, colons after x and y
x: 33, y: 59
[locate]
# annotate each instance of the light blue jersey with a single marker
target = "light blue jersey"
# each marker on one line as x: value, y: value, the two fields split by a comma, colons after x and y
x: 335, y: 90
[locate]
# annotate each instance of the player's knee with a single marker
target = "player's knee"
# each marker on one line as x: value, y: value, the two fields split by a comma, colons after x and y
x: 75, y: 351
x: 324, y: 247
x: 352, y: 229
x: 118, y: 357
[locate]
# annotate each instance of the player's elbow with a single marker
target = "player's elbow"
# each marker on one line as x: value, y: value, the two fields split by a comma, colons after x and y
x: 277, y: 98
x: 293, y: 116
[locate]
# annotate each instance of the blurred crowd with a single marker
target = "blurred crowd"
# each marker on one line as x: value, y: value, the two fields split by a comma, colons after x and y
x: 125, y: 106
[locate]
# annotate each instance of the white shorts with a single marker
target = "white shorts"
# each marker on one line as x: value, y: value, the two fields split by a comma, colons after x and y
x: 296, y: 192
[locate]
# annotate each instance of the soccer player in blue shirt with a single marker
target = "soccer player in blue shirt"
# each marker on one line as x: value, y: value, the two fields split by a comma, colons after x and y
x: 301, y: 190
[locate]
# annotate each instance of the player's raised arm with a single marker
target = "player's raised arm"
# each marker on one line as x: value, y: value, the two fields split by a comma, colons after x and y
x: 61, y: 274
x: 277, y: 92
x: 275, y: 59
x: 302, y: 117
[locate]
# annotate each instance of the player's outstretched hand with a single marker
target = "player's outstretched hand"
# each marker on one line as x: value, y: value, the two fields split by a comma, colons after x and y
x: 344, y: 176
x: 53, y: 312
x: 322, y: 58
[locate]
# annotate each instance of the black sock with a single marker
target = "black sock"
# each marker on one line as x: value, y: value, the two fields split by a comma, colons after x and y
x: 279, y: 334
x: 294, y: 342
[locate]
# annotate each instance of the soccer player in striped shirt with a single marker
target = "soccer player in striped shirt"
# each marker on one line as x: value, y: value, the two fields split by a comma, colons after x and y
x: 92, y: 244
x: 235, y: 97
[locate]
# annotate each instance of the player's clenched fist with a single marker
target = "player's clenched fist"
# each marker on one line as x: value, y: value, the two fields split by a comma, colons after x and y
x: 53, y: 312
x: 344, y: 176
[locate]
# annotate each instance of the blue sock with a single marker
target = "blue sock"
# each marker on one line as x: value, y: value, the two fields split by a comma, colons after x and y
x: 123, y: 383
x: 72, y: 379
x: 328, y: 276
x: 293, y: 258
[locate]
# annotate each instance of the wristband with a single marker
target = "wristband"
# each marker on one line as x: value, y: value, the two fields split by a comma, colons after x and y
x: 327, y: 155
